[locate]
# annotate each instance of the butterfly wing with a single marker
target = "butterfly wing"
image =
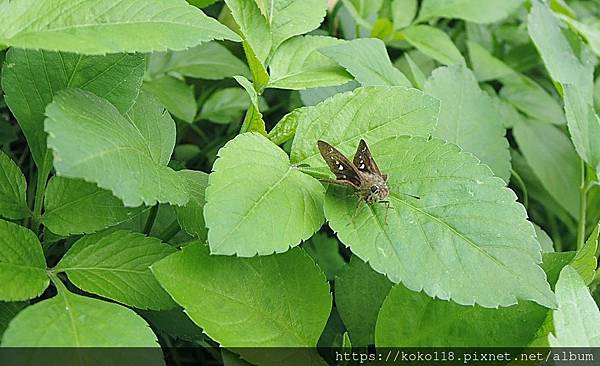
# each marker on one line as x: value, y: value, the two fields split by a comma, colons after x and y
x: 363, y: 160
x: 345, y: 172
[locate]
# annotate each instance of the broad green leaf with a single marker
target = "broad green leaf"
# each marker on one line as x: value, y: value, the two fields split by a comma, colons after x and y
x: 299, y: 64
x: 225, y: 105
x: 413, y: 319
x: 288, y: 18
x: 434, y: 43
x: 559, y: 58
x: 210, y: 60
x: 285, y: 129
x: 125, y: 154
x: 359, y: 293
x: 367, y: 60
x: 585, y: 261
x: 22, y: 263
x: 325, y: 252
x: 279, y: 300
x: 8, y: 310
x: 363, y: 113
x: 468, y: 117
x: 575, y: 74
x: 403, y: 12
x: 112, y: 26
x: 74, y: 206
x: 464, y: 239
x: 175, y: 95
x: 117, y: 266
x: 553, y: 160
x: 530, y: 98
x: 253, y: 27
x: 253, y: 121
x: 485, y: 65
x: 190, y: 216
x: 75, y: 321
x: 13, y: 187
x: 476, y: 11
x: 31, y: 79
x: 253, y: 180
x: 577, y: 319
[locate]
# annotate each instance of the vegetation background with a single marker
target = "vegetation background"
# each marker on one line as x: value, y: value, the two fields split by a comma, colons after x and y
x: 159, y: 175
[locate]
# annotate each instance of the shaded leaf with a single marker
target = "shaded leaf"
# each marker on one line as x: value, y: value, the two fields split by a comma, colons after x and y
x: 74, y: 206
x: 190, y: 216
x: 477, y: 11
x: 434, y: 43
x: 175, y: 95
x: 279, y: 300
x: 13, y: 187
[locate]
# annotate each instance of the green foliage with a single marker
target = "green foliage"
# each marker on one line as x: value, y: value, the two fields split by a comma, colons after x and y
x: 276, y: 300
x: 89, y: 27
x: 253, y: 179
x: 22, y: 264
x: 161, y: 184
x: 117, y: 266
x: 124, y: 153
x: 12, y: 190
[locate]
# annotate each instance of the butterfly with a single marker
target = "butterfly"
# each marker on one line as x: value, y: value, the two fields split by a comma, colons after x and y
x: 362, y: 174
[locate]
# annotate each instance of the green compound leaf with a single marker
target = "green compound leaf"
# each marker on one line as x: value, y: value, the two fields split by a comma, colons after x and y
x: 476, y: 11
x: 253, y: 121
x: 366, y: 113
x: 468, y: 117
x: 112, y: 26
x: 434, y: 43
x: 252, y: 180
x: 210, y: 60
x: 299, y: 64
x: 74, y: 206
x: 413, y: 319
x: 464, y: 239
x: 191, y: 216
x: 359, y: 294
x: 75, y: 321
x: 31, y: 79
x: 22, y: 263
x: 117, y: 266
x: 126, y: 154
x: 279, y: 300
x: 367, y: 60
x: 13, y: 187
x: 577, y: 319
x: 175, y: 94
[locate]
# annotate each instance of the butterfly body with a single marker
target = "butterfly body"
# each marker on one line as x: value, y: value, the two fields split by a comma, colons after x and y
x: 362, y: 173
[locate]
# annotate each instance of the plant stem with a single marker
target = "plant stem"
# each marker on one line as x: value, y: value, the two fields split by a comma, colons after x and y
x: 40, y: 192
x: 582, y: 206
x: 150, y: 220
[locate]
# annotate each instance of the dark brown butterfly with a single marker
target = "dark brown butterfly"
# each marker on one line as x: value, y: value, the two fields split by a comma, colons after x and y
x: 362, y: 173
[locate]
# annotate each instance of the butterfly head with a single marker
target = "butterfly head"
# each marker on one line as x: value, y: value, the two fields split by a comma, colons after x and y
x: 377, y: 191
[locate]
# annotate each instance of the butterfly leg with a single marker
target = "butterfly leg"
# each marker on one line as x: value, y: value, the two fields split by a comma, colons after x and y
x: 387, y: 208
